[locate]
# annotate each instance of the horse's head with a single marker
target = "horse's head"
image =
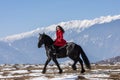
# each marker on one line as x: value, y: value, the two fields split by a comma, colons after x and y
x: 40, y: 40
x: 44, y: 39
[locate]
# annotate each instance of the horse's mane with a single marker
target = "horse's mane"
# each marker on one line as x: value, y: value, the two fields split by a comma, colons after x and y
x: 48, y: 39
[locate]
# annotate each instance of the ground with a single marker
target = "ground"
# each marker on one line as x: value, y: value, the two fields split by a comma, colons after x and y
x: 33, y: 72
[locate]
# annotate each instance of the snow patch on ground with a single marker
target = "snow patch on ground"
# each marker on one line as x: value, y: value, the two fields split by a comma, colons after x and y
x: 34, y: 72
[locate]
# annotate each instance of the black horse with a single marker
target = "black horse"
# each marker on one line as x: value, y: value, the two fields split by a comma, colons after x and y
x: 70, y: 50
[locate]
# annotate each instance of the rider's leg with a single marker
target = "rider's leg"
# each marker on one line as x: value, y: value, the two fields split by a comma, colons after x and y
x: 56, y: 48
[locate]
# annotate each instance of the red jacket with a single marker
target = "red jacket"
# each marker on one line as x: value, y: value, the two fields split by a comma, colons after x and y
x: 59, y: 40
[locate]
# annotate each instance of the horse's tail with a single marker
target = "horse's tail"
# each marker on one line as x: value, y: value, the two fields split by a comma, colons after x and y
x: 85, y: 58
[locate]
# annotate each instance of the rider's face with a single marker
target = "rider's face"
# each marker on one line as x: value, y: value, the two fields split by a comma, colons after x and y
x: 58, y: 28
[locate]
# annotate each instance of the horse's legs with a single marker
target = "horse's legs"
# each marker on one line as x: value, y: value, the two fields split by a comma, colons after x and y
x: 74, y: 65
x: 56, y: 62
x: 75, y: 61
x: 81, y: 62
x: 46, y: 63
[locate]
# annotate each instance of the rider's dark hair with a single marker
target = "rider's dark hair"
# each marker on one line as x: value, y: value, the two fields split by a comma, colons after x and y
x: 60, y: 28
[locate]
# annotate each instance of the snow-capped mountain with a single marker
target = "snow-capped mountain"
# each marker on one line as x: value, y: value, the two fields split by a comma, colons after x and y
x: 99, y: 38
x: 114, y: 60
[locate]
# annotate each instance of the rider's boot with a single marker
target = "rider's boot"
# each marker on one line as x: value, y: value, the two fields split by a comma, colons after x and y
x: 55, y: 50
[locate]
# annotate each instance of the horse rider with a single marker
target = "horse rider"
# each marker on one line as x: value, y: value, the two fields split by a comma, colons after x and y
x: 59, y: 41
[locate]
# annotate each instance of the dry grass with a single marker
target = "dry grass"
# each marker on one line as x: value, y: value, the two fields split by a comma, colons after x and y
x: 6, y: 73
x: 115, y: 76
x: 81, y: 78
x: 52, y: 71
x: 17, y: 78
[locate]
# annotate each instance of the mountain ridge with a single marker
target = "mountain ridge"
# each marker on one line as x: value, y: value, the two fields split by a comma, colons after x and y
x: 113, y: 60
x: 81, y: 25
x: 99, y: 41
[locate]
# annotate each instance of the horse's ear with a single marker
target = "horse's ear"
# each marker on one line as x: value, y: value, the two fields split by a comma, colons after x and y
x: 40, y: 34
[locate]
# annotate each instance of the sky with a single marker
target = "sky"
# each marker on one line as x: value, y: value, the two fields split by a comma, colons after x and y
x: 18, y: 16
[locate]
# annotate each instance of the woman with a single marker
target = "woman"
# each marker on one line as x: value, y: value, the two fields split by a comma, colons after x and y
x: 59, y: 41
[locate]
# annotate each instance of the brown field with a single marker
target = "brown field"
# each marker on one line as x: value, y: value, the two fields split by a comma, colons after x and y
x: 28, y: 72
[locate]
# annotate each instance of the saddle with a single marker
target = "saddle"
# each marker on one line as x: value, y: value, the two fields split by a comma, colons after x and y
x: 56, y: 49
x: 62, y: 46
x: 69, y: 46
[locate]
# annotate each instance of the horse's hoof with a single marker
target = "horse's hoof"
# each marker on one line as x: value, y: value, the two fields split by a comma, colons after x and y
x: 74, y: 67
x: 60, y: 72
x: 83, y: 71
x: 43, y: 72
